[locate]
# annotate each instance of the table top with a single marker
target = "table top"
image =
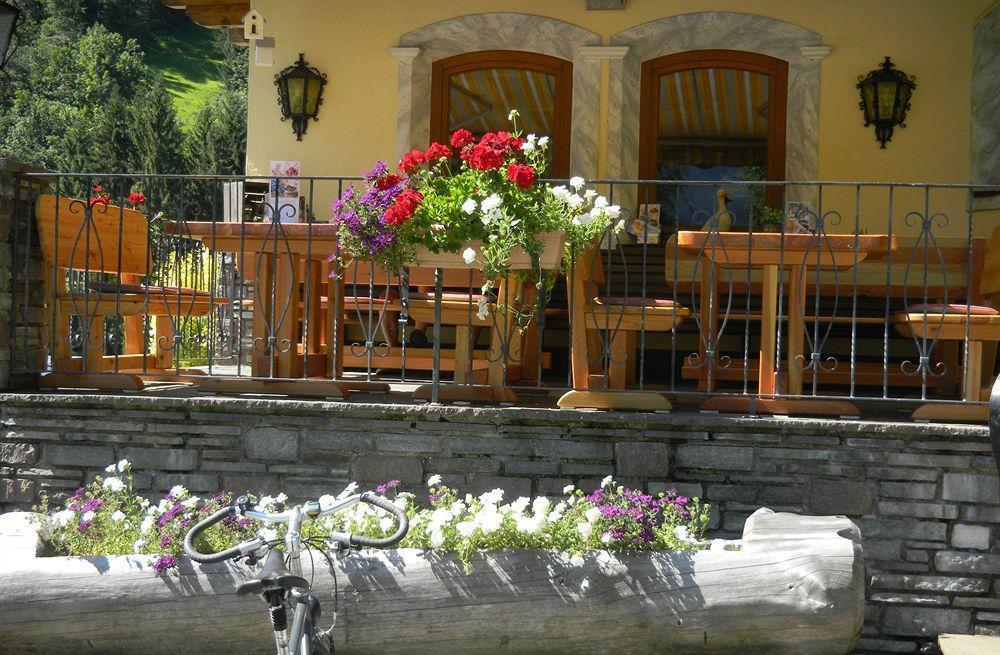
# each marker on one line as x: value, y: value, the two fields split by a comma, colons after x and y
x: 769, y: 248
x: 315, y: 239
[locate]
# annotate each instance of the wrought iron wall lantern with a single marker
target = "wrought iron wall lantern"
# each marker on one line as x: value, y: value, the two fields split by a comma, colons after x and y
x: 300, y: 93
x: 8, y: 21
x: 885, y: 98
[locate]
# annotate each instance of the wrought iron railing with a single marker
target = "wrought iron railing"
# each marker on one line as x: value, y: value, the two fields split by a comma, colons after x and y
x: 842, y: 292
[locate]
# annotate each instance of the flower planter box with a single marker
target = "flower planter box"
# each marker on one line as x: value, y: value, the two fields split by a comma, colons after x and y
x: 550, y: 258
x: 795, y: 586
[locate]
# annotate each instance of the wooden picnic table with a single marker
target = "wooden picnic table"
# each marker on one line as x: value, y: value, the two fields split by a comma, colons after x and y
x: 771, y: 253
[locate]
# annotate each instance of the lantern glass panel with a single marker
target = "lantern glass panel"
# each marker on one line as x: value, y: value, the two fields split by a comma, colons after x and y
x: 868, y: 89
x: 312, y: 96
x: 296, y: 93
x: 886, y: 99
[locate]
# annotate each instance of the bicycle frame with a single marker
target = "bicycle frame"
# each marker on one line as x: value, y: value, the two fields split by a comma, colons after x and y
x: 298, y: 640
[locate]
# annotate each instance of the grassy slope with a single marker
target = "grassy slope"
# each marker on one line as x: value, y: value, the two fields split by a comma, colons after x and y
x: 187, y: 58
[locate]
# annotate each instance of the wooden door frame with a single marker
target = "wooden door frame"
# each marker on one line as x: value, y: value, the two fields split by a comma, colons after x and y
x: 562, y: 70
x: 776, y: 69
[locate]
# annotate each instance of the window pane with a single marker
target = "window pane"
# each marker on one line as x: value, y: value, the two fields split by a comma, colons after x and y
x: 481, y: 100
x: 712, y: 125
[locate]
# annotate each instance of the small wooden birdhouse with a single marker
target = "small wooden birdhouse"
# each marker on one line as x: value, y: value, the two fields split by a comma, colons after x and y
x: 253, y: 25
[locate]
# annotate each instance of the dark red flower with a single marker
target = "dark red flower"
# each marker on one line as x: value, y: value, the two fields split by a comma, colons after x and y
x: 98, y: 189
x: 521, y: 175
x: 411, y: 161
x: 136, y: 199
x: 461, y: 138
x: 402, y: 209
x: 438, y: 151
x: 387, y: 181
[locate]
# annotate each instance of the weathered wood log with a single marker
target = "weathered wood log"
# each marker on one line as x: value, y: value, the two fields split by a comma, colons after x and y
x: 796, y: 586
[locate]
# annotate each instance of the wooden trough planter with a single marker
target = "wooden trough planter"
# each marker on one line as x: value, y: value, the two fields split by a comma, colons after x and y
x: 796, y: 586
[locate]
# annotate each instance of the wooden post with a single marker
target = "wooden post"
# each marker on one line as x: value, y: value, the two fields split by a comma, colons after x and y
x: 796, y: 327
x: 768, y: 324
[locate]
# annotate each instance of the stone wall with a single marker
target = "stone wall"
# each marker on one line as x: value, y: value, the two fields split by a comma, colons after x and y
x: 22, y: 325
x: 925, y: 496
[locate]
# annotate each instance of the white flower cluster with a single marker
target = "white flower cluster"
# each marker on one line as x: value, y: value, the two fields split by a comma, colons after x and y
x: 590, y: 207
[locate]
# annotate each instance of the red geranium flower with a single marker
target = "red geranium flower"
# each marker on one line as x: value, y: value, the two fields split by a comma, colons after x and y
x: 136, y: 199
x: 438, y: 151
x: 387, y: 181
x: 521, y: 175
x: 402, y: 209
x: 411, y: 161
x: 461, y: 138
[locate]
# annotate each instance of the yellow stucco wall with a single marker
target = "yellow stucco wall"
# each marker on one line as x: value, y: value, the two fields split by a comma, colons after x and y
x: 349, y: 40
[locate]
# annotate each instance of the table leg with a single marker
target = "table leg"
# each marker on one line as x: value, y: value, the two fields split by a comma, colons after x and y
x: 972, y: 385
x: 796, y: 328
x: 262, y: 292
x: 287, y: 293
x: 768, y: 325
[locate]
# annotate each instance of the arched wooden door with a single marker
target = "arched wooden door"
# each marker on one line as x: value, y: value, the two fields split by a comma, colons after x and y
x: 712, y: 115
x: 477, y: 90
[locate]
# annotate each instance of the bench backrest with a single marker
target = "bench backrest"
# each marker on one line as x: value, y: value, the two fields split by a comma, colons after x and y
x: 111, y: 240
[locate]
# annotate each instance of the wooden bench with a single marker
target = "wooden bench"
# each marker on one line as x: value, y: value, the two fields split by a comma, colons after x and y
x: 94, y: 237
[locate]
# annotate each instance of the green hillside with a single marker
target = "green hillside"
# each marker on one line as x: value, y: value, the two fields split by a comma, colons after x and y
x: 188, y: 58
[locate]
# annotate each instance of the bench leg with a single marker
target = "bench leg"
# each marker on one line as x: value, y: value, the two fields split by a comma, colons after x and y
x: 164, y: 357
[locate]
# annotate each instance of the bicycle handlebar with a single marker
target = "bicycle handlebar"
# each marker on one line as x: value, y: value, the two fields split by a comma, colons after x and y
x: 402, y: 523
x: 402, y: 526
x: 210, y: 558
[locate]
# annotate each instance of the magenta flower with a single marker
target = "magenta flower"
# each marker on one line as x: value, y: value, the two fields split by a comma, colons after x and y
x: 164, y: 563
x: 391, y: 484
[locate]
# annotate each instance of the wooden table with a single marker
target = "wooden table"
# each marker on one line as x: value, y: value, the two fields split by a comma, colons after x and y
x: 770, y: 253
x: 275, y: 257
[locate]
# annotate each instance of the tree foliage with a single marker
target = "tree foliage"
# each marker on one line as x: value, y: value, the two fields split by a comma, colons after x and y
x: 80, y: 98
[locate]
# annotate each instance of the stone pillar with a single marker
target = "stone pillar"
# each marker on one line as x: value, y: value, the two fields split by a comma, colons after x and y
x: 22, y: 314
x: 404, y: 97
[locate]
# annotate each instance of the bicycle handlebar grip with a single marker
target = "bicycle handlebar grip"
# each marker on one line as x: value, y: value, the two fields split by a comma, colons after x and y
x: 209, y: 558
x: 402, y: 523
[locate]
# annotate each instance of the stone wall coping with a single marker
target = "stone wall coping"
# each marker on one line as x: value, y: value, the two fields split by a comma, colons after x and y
x: 524, y: 415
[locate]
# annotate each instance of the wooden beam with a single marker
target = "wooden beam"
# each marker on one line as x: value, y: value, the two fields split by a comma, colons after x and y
x: 213, y: 13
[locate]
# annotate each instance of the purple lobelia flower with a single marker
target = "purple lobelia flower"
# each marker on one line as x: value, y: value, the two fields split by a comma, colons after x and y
x: 164, y: 563
x: 391, y: 484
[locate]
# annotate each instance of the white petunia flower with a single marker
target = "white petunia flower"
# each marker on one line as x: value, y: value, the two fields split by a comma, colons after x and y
x: 491, y: 202
x: 574, y: 201
x: 560, y: 192
x: 124, y: 465
x: 437, y: 539
x: 190, y: 502
x: 577, y: 182
x: 540, y: 506
x: 613, y: 211
x: 528, y: 146
x: 528, y: 524
x: 681, y: 532
x: 281, y: 497
x: 492, y: 497
x: 531, y: 138
x: 466, y: 528
x: 576, y: 560
x: 113, y: 484
x: 519, y: 505
x: 489, y: 519
x: 64, y: 517
x: 544, y: 141
x: 600, y: 202
x: 386, y: 523
x: 592, y: 514
x: 606, y: 538
x: 87, y: 516
x: 512, y: 114
x: 589, y: 193
x: 117, y: 515
x: 469, y: 206
x: 585, y: 529
x: 607, y: 482
x: 267, y: 534
x: 146, y: 525
x: 110, y: 468
x: 434, y: 480
x: 178, y: 491
x: 469, y: 255
x: 137, y: 546
x: 568, y: 489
